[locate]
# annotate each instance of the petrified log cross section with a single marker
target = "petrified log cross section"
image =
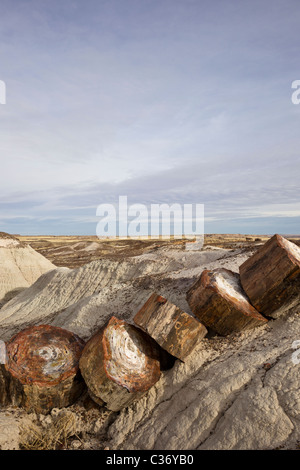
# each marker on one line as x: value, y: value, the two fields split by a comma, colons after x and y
x: 218, y: 300
x: 42, y: 368
x: 271, y: 277
x: 174, y: 330
x: 119, y: 364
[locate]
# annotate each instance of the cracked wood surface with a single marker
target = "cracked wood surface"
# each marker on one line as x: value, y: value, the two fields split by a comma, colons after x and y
x: 174, y: 330
x: 119, y: 364
x: 218, y: 301
x: 271, y: 277
x: 42, y: 369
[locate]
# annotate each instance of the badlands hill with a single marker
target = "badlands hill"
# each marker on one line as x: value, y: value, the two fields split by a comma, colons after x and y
x: 235, y: 392
x: 74, y: 251
x: 20, y: 266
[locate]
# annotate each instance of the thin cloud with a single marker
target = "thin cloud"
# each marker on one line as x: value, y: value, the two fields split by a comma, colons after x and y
x: 161, y: 101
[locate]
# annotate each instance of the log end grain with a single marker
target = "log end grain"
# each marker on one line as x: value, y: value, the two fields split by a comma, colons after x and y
x: 131, y: 359
x: 119, y: 364
x: 42, y: 368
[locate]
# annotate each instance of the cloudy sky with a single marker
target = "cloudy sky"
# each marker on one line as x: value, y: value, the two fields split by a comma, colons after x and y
x: 164, y: 101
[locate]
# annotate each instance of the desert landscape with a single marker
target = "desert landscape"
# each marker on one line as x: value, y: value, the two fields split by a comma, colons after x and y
x: 149, y: 228
x: 231, y: 385
x: 74, y: 251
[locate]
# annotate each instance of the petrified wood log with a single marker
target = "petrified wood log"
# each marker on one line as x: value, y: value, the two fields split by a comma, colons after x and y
x: 4, y: 398
x: 42, y: 369
x: 218, y: 300
x: 119, y: 364
x: 271, y: 277
x: 174, y: 330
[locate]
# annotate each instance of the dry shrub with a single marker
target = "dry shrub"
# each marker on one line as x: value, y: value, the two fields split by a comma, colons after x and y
x: 54, y: 437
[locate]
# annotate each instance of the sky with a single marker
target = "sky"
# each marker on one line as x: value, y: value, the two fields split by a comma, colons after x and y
x: 162, y: 101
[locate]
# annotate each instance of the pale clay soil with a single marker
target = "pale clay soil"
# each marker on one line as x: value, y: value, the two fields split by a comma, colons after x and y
x: 237, y: 392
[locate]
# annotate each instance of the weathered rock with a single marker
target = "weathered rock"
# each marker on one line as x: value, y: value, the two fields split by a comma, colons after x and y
x: 119, y: 364
x: 174, y: 330
x: 271, y: 277
x: 20, y: 265
x: 42, y: 369
x: 218, y: 300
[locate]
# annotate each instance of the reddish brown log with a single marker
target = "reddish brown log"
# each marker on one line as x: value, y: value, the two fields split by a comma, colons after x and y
x: 174, y: 330
x: 119, y: 364
x: 218, y: 300
x: 42, y: 369
x: 271, y: 277
x: 4, y: 397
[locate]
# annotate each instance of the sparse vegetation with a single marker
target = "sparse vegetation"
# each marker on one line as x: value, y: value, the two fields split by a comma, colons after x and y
x: 55, y: 436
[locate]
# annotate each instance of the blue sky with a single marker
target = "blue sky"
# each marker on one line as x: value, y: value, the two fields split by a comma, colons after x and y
x: 164, y: 101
